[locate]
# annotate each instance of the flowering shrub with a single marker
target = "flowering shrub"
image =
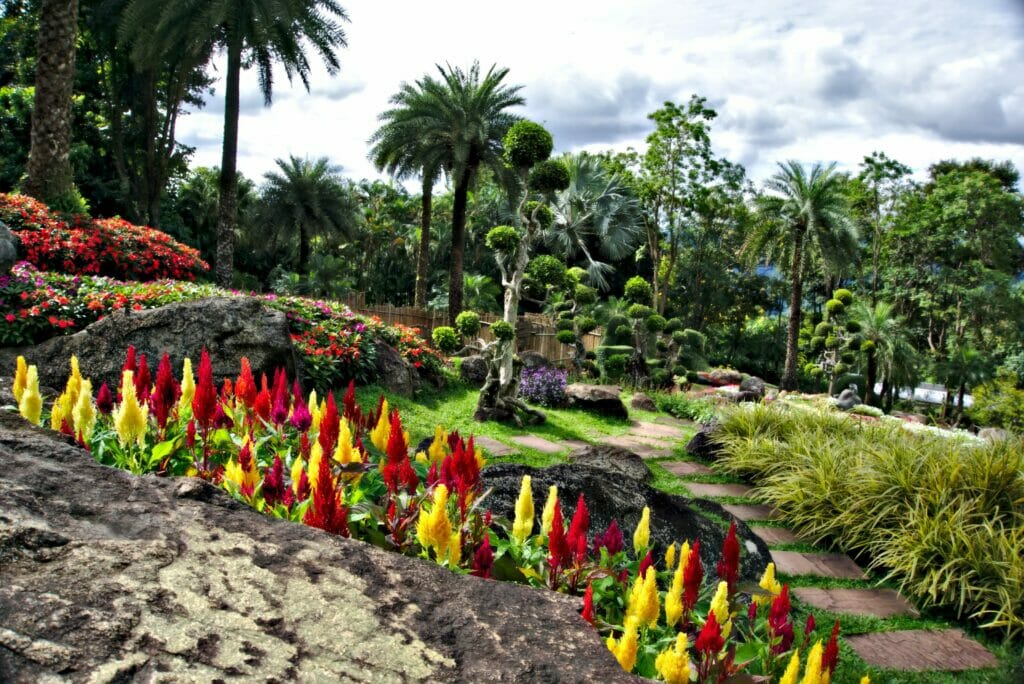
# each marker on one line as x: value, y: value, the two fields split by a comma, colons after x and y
x: 347, y: 470
x: 544, y: 386
x: 109, y: 247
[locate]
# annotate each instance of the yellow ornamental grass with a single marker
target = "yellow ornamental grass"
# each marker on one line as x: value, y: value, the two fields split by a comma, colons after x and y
x: 188, y: 389
x: 20, y: 378
x: 131, y: 417
x: 433, y: 529
x: 770, y: 585
x: 30, y: 406
x: 673, y: 664
x: 84, y: 412
x: 625, y: 647
x: 792, y: 670
x: 643, y: 599
x: 642, y: 533
x: 522, y: 526
x: 549, y: 511
x: 674, y: 596
x: 670, y: 556
x: 812, y: 670
x: 720, y: 607
x: 438, y: 446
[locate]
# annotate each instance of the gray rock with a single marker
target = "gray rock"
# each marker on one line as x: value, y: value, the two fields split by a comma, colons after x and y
x: 532, y: 359
x: 601, y: 399
x: 642, y: 402
x: 112, y: 577
x: 229, y: 327
x: 394, y: 373
x: 703, y: 445
x: 616, y: 484
x: 8, y: 249
x: 993, y: 435
x: 473, y: 371
x: 725, y: 376
x: 752, y: 389
x: 847, y: 399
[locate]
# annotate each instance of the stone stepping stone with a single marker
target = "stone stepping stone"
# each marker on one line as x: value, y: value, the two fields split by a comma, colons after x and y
x: 658, y: 430
x: 748, y: 512
x: 657, y: 442
x: 945, y: 649
x: 641, y: 449
x: 687, y: 468
x: 834, y: 565
x: 676, y: 422
x: 538, y: 443
x: 881, y: 603
x: 704, y: 490
x: 494, y: 446
x: 776, y: 535
x: 575, y: 443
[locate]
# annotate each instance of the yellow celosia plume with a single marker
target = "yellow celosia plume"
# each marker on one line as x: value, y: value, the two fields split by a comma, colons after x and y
x: 188, y: 388
x: 84, y: 412
x: 433, y: 529
x: 812, y: 669
x: 381, y: 432
x: 20, y: 378
x: 130, y: 417
x: 549, y: 511
x: 30, y: 406
x: 625, y: 647
x: 674, y: 596
x: 522, y: 526
x: 345, y: 453
x: 673, y: 664
x: 313, y: 467
x: 438, y: 446
x: 770, y: 585
x: 642, y: 533
x: 720, y: 607
x: 643, y: 601
x: 792, y: 670
x: 670, y: 556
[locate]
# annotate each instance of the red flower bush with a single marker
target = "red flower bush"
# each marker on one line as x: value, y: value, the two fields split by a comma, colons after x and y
x: 108, y: 247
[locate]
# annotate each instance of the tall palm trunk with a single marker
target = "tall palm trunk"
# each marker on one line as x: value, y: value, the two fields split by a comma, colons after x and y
x: 869, y: 378
x: 458, y: 246
x: 49, y: 163
x: 796, y: 297
x: 303, y: 264
x: 423, y: 257
x: 227, y: 214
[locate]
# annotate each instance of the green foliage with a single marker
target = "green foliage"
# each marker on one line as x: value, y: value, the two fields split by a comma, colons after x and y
x: 638, y: 291
x: 831, y: 342
x: 565, y: 324
x: 841, y: 368
x: 672, y: 325
x: 549, y: 176
x: 468, y: 323
x: 844, y: 296
x: 566, y: 336
x: 639, y: 311
x: 575, y: 275
x: 867, y: 346
x: 445, y: 339
x: 548, y: 271
x: 817, y: 344
x: 999, y: 403
x: 613, y: 333
x: 834, y: 307
x: 585, y: 324
x: 526, y: 144
x: 503, y: 330
x: 615, y: 365
x: 823, y: 329
x: 680, y: 406
x: 606, y: 351
x: 539, y: 212
x: 936, y: 512
x: 655, y: 323
x: 503, y: 239
x: 853, y: 326
x: 585, y: 295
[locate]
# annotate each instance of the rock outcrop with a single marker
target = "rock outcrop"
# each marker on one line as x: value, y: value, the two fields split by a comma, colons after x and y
x: 8, y: 249
x: 602, y: 399
x: 473, y: 370
x: 229, y: 327
x: 532, y: 359
x: 616, y: 484
x: 393, y: 373
x: 112, y: 577
x: 642, y: 402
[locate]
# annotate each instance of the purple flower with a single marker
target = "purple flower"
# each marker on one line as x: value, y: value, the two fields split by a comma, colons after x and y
x: 544, y: 386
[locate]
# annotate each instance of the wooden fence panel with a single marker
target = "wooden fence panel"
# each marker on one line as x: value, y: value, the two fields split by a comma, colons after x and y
x: 535, y: 332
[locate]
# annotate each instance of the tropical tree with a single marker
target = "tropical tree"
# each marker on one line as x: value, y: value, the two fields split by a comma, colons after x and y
x: 803, y: 215
x: 963, y: 367
x: 258, y: 33
x: 597, y: 217
x: 50, y: 177
x: 307, y: 198
x: 884, y: 342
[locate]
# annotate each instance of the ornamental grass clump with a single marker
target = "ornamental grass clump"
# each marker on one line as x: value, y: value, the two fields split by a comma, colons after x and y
x: 941, y: 514
x: 347, y: 470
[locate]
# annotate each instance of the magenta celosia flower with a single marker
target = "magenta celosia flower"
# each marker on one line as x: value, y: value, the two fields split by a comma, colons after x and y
x: 779, y: 625
x: 273, y: 482
x: 143, y: 380
x: 301, y: 418
x: 483, y: 559
x: 281, y: 399
x: 610, y: 539
x: 104, y: 400
x: 729, y: 565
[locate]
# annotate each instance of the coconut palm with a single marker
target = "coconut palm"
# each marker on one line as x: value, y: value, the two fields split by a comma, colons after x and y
x: 258, y: 33
x: 885, y: 343
x: 49, y: 161
x: 803, y: 216
x: 964, y: 367
x: 596, y: 215
x: 307, y: 198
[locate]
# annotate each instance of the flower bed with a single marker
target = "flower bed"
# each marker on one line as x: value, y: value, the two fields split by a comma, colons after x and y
x: 347, y: 470
x: 106, y: 247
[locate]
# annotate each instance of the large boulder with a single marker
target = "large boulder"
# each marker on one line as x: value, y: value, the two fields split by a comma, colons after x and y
x: 8, y: 249
x: 752, y: 389
x: 229, y: 327
x: 724, y: 376
x: 703, y: 444
x: 473, y: 370
x: 532, y: 359
x: 394, y: 373
x: 112, y: 577
x: 642, y: 402
x: 616, y: 484
x: 602, y: 399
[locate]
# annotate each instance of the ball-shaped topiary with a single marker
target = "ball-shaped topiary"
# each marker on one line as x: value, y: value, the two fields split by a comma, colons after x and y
x: 467, y: 323
x: 504, y: 239
x: 539, y: 212
x: 831, y: 342
x: 585, y: 324
x: 672, y: 325
x: 527, y: 143
x: 817, y: 344
x: 854, y: 342
x: 843, y: 295
x: 809, y: 368
x: 867, y: 346
x: 575, y: 275
x: 853, y: 326
x: 591, y: 354
x: 679, y: 336
x: 585, y: 295
x: 566, y: 336
x: 564, y: 324
x: 679, y: 371
x: 549, y: 176
x: 503, y: 330
x: 547, y: 270
x: 834, y: 307
x: 841, y: 369
x: 639, y: 311
x: 638, y: 291
x: 614, y: 365
x: 445, y: 339
x: 661, y: 345
x: 655, y: 323
x: 623, y: 331
x: 823, y: 329
x: 848, y: 357
x: 695, y: 340
x: 565, y: 315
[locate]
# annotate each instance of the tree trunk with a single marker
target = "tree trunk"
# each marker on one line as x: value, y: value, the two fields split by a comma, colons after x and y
x: 303, y: 265
x: 423, y: 257
x: 227, y: 215
x: 50, y: 177
x: 869, y: 378
x: 789, y: 379
x: 458, y: 246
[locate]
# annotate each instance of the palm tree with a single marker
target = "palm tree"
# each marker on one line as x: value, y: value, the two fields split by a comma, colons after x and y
x: 256, y: 33
x: 596, y: 214
x: 49, y: 162
x: 806, y: 215
x: 884, y: 344
x: 307, y: 198
x: 457, y: 122
x: 964, y: 367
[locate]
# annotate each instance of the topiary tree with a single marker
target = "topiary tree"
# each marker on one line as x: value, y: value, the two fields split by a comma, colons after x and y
x: 834, y: 342
x: 527, y: 148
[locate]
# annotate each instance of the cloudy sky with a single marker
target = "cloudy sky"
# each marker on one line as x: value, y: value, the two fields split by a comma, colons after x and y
x: 920, y: 80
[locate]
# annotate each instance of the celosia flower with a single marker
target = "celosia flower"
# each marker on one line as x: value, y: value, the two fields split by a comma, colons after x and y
x: 84, y: 412
x: 245, y: 385
x: 865, y: 680
x: 720, y: 607
x: 300, y: 485
x: 301, y: 418
x: 344, y: 453
x: 273, y: 482
x: 625, y: 648
x: 809, y: 625
x: 673, y: 664
x: 813, y: 668
x: 455, y: 549
x: 642, y: 533
x: 770, y: 585
x: 190, y: 433
x: 548, y: 513
x: 30, y: 406
x: 129, y: 360
x: 578, y: 530
x: 831, y: 656
x: 263, y: 404
x: 710, y: 641
x: 670, y: 556
x: 188, y: 388
x: 643, y: 603
x: 792, y: 670
x: 381, y: 433
x: 729, y: 565
x: 204, y: 402
x: 326, y: 511
x: 243, y: 470
x: 433, y: 529
x: 674, y: 596
x: 130, y: 417
x: 60, y: 411
x: 647, y: 562
x: 282, y: 401
x: 779, y: 625
x: 351, y: 411
x: 104, y: 400
x: 483, y: 559
x: 693, y: 575
x: 588, y: 604
x: 20, y: 378
x: 165, y: 392
x: 143, y: 380
x: 558, y: 546
x: 436, y: 451
x: 522, y: 526
x: 329, y: 426
x: 610, y: 539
